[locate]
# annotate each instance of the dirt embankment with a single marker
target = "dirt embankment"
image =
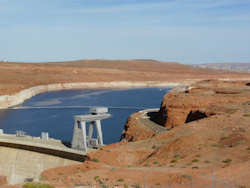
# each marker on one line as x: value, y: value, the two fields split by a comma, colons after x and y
x: 208, y: 145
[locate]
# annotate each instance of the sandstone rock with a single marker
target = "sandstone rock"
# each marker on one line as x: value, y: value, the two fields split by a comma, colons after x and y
x: 3, y: 180
x: 179, y: 107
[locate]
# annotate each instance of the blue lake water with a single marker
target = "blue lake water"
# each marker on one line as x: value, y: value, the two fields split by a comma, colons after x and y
x: 59, y: 122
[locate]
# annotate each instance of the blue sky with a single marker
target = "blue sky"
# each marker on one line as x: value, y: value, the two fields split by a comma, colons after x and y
x: 188, y: 31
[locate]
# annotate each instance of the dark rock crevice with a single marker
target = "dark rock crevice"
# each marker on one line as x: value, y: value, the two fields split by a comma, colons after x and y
x: 195, y: 115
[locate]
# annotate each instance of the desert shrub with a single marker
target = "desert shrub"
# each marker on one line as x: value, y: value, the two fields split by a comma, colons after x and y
x: 155, y: 162
x: 187, y: 176
x: 195, y: 167
x: 120, y: 180
x: 96, y: 178
x: 173, y: 161
x: 227, y: 161
x: 242, y: 186
x: 37, y: 185
x: 246, y: 115
x: 95, y: 160
x: 177, y: 156
x: 195, y: 160
x: 215, y: 145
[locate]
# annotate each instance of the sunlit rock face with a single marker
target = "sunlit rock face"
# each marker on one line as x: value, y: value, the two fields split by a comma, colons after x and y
x: 200, y: 101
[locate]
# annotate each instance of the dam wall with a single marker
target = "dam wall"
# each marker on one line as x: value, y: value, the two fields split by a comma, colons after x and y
x: 21, y: 165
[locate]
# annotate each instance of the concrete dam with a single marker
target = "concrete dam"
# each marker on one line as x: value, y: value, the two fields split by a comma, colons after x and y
x: 24, y: 158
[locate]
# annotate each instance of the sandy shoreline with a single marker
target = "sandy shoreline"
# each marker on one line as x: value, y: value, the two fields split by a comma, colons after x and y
x: 7, y: 101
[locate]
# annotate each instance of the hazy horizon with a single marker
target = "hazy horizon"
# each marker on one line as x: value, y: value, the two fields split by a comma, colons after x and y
x: 163, y: 61
x: 185, y: 31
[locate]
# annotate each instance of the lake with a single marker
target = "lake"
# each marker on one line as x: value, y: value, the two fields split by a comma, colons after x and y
x: 59, y: 121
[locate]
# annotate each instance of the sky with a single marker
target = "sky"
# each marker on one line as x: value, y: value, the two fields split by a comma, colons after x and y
x: 187, y: 31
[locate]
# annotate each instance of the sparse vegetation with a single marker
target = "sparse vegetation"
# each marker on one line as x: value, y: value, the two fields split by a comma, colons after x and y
x: 155, y: 162
x: 195, y: 160
x: 207, y: 161
x: 195, y: 167
x: 186, y: 176
x: 95, y: 160
x: 137, y: 186
x: 120, y: 180
x: 227, y: 161
x: 37, y: 185
x: 246, y: 115
x: 96, y: 178
x: 177, y: 156
x: 215, y: 145
x: 248, y: 148
x: 223, y: 138
x: 198, y: 155
x: 173, y: 161
x: 242, y: 186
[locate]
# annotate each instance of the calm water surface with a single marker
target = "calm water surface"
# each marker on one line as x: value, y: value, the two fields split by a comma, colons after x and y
x: 59, y: 122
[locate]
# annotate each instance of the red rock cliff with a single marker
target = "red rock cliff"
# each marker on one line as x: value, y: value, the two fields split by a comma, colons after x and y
x: 200, y: 101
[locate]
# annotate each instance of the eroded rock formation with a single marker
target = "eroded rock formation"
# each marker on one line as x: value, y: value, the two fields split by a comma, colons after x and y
x: 201, y: 100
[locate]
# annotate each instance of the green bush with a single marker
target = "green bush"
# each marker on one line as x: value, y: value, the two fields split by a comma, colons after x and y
x: 96, y: 178
x: 37, y: 185
x: 95, y: 160
x: 227, y: 161
x: 195, y: 160
x: 155, y: 162
x: 173, y: 161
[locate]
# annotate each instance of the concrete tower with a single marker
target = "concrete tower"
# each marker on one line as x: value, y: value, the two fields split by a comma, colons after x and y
x: 81, y: 140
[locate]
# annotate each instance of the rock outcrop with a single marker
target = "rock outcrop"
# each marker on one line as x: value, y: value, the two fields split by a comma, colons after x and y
x: 199, y: 101
x: 134, y: 130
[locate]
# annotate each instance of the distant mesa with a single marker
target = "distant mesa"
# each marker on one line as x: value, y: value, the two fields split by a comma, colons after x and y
x: 241, y: 67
